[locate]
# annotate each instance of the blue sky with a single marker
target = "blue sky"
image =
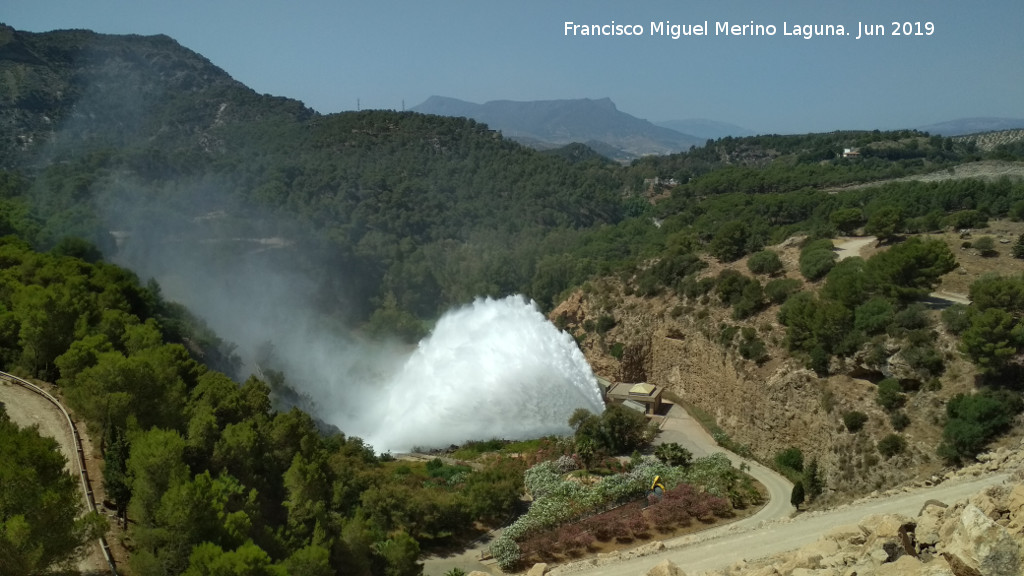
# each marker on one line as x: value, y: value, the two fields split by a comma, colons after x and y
x: 331, y: 53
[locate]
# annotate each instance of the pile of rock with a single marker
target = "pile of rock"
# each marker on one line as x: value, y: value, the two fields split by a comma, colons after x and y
x: 981, y: 536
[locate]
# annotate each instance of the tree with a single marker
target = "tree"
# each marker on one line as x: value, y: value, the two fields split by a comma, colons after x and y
x: 39, y: 503
x: 797, y: 496
x: 910, y: 269
x: 846, y: 220
x: 846, y: 283
x: 155, y: 465
x: 992, y: 340
x: 812, y: 479
x: 973, y: 420
x: 618, y: 430
x: 399, y: 554
x: 208, y: 559
x: 885, y: 223
x: 115, y: 471
x: 874, y: 316
x: 730, y: 241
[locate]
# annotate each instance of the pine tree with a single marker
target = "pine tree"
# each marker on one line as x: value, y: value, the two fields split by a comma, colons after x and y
x: 812, y: 479
x: 797, y: 497
x: 1018, y: 248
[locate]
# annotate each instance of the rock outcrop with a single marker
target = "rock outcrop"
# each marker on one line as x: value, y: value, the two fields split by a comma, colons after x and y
x: 981, y: 536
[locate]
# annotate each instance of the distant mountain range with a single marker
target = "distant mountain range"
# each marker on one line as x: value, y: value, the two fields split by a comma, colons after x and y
x: 706, y: 129
x: 962, y: 126
x: 547, y: 124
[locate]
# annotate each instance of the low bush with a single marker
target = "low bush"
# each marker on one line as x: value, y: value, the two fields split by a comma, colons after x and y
x: 854, y: 421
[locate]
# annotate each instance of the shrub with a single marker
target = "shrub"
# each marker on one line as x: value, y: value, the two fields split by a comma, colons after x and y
x: 816, y: 260
x: 605, y: 323
x: 791, y: 458
x: 750, y: 302
x: 616, y: 350
x: 899, y: 420
x: 924, y: 358
x: 913, y: 317
x: 854, y: 421
x: 764, y: 262
x: 637, y: 526
x: 754, y: 349
x: 890, y: 394
x: 956, y: 318
x: 673, y: 454
x: 891, y: 445
x: 506, y: 553
x: 986, y: 246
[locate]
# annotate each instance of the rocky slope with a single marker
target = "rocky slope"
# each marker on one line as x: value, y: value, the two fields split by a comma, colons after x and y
x: 771, y: 406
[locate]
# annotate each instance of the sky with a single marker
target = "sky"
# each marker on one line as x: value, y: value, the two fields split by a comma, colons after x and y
x: 337, y: 55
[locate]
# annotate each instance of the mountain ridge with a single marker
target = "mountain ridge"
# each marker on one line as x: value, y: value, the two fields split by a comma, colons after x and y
x: 554, y: 123
x: 973, y: 125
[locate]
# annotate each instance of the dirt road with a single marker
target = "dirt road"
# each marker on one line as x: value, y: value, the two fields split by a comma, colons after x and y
x: 850, y: 247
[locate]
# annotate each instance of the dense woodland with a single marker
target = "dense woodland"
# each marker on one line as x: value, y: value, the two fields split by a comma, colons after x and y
x: 392, y: 218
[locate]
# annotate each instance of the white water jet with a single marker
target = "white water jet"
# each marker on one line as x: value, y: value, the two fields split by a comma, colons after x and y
x: 493, y: 369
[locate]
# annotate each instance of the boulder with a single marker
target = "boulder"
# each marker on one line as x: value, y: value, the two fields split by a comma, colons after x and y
x: 538, y: 569
x: 848, y: 534
x: 910, y: 566
x: 665, y: 568
x: 928, y: 523
x: 1015, y: 508
x: 891, y: 533
x: 977, y: 546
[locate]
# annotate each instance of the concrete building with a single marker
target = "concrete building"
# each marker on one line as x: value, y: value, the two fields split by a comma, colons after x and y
x: 646, y: 395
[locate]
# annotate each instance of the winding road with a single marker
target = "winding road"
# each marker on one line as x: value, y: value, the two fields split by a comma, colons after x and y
x: 681, y: 428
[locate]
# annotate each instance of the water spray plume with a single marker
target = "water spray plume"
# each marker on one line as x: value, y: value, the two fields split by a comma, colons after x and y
x: 493, y: 369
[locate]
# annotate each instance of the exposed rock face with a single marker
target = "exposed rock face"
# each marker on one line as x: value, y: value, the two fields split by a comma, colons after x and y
x: 767, y: 415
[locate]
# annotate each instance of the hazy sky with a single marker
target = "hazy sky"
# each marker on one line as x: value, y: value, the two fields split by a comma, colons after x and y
x: 331, y: 53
